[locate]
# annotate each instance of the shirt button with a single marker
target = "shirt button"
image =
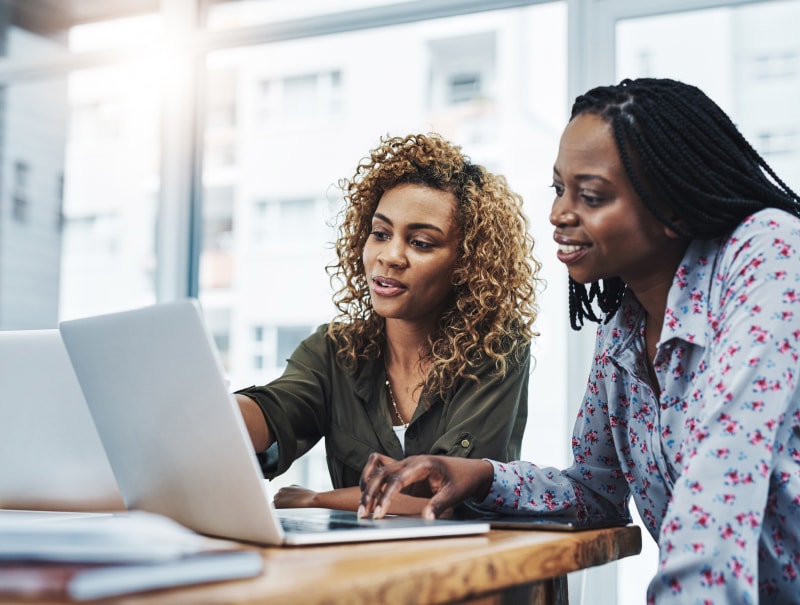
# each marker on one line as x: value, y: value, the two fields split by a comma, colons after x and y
x: 465, y: 443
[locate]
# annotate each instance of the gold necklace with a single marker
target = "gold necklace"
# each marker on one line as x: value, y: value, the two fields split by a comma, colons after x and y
x: 394, y: 404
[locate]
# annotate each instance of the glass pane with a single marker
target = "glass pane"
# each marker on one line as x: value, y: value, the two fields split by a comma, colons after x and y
x: 286, y: 121
x: 751, y: 67
x: 111, y: 189
x: 138, y: 30
x: 34, y: 120
x: 79, y: 165
x: 244, y: 13
x: 26, y: 34
x: 41, y: 30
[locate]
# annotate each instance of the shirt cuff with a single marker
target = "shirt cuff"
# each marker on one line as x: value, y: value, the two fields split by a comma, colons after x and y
x: 489, y: 503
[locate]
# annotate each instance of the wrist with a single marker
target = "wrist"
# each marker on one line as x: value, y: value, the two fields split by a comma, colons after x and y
x: 315, y: 501
x: 485, y: 481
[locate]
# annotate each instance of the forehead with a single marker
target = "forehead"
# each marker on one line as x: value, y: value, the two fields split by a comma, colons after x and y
x: 587, y: 147
x: 412, y: 203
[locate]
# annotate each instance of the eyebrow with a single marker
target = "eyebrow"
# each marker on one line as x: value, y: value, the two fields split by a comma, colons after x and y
x: 585, y: 177
x: 412, y: 226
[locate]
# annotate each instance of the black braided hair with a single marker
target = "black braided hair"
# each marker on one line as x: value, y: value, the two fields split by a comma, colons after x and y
x: 688, y: 163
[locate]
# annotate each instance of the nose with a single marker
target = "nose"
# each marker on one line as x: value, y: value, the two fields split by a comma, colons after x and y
x: 561, y: 215
x: 393, y: 253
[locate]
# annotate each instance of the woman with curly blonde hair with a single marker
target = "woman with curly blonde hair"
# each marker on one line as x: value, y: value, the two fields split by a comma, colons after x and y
x: 430, y: 349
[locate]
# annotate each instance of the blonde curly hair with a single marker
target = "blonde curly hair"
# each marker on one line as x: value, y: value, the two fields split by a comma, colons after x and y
x: 495, y: 281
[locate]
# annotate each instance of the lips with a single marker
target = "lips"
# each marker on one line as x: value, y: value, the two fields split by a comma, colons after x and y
x: 570, y: 248
x: 570, y: 251
x: 386, y: 286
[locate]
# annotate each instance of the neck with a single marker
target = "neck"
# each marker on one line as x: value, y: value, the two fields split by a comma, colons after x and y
x: 654, y: 302
x: 405, y: 368
x: 652, y: 288
x: 653, y: 298
x: 404, y: 344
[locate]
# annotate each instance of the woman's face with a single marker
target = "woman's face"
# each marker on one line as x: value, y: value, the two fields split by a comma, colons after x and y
x: 603, y: 229
x: 411, y: 253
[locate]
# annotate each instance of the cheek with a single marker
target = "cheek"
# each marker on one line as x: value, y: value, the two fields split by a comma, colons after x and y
x: 366, y: 254
x: 440, y: 277
x: 618, y: 231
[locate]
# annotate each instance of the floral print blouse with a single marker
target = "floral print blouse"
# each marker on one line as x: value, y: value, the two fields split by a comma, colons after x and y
x: 711, y: 455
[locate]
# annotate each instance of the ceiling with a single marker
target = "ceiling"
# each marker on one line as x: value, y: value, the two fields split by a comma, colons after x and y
x: 53, y: 17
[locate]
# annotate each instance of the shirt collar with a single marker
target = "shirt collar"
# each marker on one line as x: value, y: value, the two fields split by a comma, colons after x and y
x: 369, y: 378
x: 686, y: 314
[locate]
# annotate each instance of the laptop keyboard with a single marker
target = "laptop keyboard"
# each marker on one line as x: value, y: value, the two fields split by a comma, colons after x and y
x: 321, y: 524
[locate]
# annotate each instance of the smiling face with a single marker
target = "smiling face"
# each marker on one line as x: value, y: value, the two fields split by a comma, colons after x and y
x: 603, y: 229
x: 411, y: 253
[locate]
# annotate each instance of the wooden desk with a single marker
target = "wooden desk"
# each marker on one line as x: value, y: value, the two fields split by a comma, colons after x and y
x: 502, y: 567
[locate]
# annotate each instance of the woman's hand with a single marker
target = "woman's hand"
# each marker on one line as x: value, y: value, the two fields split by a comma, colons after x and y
x: 345, y: 498
x: 295, y: 496
x: 451, y: 480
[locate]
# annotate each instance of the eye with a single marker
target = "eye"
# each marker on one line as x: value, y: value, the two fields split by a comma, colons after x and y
x: 380, y: 234
x: 592, y: 200
x: 422, y: 245
x: 559, y: 189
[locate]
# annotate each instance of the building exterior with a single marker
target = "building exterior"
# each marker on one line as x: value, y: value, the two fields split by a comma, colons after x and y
x: 32, y: 143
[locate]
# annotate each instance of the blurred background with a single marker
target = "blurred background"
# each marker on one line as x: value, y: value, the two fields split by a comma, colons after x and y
x: 157, y: 149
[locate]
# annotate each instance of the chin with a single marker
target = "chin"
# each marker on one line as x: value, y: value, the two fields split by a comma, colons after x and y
x: 587, y: 280
x: 385, y: 313
x: 582, y: 279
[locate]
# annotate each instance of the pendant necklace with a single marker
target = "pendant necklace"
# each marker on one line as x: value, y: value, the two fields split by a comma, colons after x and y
x: 394, y: 404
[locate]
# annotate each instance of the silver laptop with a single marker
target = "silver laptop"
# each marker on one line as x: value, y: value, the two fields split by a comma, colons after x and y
x: 51, y: 457
x: 178, y: 444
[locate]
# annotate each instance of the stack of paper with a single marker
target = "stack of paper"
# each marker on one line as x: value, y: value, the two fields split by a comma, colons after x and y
x: 97, y: 556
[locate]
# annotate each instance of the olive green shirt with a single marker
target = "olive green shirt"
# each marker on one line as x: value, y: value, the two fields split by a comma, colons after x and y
x: 315, y: 399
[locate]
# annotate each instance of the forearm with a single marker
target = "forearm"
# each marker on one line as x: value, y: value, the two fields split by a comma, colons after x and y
x: 348, y: 498
x: 522, y: 487
x: 257, y: 427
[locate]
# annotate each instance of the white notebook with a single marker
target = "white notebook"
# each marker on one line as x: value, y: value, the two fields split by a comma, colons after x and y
x: 176, y: 440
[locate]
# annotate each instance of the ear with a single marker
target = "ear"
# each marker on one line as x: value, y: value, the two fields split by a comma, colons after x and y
x: 678, y: 222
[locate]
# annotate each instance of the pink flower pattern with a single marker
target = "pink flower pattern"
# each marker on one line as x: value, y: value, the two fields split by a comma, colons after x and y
x: 711, y: 455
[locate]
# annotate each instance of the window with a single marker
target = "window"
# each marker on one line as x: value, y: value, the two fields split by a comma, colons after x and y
x: 293, y: 215
x: 220, y: 127
x: 288, y: 337
x: 780, y: 64
x: 278, y: 223
x: 464, y: 87
x: 215, y: 260
x: 218, y: 321
x: 300, y: 97
x: 462, y: 69
x: 94, y: 236
x: 273, y: 345
x: 20, y: 196
x: 111, y: 189
x: 778, y: 143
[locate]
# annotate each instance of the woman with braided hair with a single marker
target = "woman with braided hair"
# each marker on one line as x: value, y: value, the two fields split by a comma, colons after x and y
x: 430, y: 350
x: 689, y: 244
